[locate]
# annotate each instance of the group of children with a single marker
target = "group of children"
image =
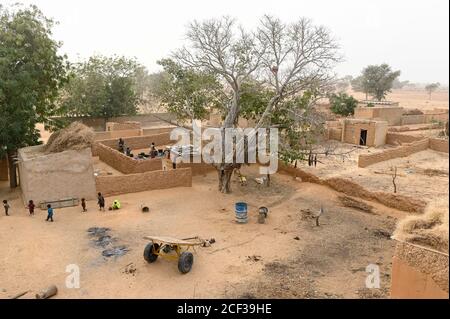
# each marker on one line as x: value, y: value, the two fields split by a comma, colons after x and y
x: 31, y: 206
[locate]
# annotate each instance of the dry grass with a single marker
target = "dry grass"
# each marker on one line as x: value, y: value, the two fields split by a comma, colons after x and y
x: 430, y: 229
x: 76, y: 136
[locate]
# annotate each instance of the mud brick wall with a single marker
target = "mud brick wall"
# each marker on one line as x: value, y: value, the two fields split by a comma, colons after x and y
x: 3, y: 169
x: 129, y: 125
x: 413, y: 119
x: 146, y: 120
x: 115, y: 185
x: 365, y: 160
x: 335, y: 133
x: 198, y: 168
x: 55, y: 176
x: 440, y: 145
x: 99, y: 136
x: 126, y: 164
x: 154, y: 131
x: 398, y: 139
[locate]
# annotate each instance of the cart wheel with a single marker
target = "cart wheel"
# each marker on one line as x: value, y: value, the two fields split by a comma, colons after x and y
x: 149, y: 256
x: 185, y: 262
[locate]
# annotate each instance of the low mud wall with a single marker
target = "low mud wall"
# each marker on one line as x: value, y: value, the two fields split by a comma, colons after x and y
x: 155, y: 131
x: 133, y: 183
x: 145, y: 120
x: 413, y: 119
x: 114, y: 126
x: 350, y: 188
x: 126, y: 164
x: 398, y: 139
x: 365, y: 160
x: 438, y: 144
x: 198, y: 168
x: 99, y: 136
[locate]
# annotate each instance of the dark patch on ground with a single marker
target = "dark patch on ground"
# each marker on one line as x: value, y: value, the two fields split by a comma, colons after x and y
x: 102, y: 239
x: 115, y: 251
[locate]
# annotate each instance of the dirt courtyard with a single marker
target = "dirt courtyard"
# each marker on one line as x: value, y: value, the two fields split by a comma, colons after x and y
x: 288, y: 256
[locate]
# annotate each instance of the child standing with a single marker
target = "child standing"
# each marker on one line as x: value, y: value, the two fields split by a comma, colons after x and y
x: 83, y: 204
x: 31, y: 207
x: 6, y: 206
x: 49, y: 213
x: 101, y: 201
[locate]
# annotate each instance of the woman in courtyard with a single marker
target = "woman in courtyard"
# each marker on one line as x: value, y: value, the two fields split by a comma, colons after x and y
x: 101, y: 201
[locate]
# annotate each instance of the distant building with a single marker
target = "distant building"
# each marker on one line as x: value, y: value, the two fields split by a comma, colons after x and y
x: 359, y: 132
x: 388, y: 113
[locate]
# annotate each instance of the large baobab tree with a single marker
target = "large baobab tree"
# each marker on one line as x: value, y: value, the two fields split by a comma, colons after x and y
x: 288, y: 64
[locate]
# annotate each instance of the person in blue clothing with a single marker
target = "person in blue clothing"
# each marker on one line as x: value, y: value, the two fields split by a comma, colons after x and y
x: 49, y: 213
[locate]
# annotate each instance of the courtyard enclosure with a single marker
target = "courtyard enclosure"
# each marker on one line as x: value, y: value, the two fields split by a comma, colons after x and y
x: 55, y: 176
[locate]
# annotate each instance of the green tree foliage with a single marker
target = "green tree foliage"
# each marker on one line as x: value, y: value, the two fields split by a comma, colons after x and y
x: 188, y: 93
x: 430, y: 88
x: 343, y: 104
x: 103, y: 87
x: 376, y: 80
x: 31, y: 74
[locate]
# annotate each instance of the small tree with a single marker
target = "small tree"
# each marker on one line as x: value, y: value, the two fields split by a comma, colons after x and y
x: 376, y: 80
x: 394, y: 177
x: 360, y: 84
x: 343, y: 104
x: 430, y: 88
x: 31, y: 74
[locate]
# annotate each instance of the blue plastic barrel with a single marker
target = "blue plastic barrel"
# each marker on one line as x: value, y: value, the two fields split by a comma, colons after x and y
x: 241, y: 212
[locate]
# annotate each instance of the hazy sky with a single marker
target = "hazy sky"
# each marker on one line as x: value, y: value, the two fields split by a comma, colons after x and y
x: 410, y: 35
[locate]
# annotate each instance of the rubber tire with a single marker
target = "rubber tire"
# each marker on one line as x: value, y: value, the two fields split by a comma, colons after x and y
x: 185, y: 262
x: 149, y: 256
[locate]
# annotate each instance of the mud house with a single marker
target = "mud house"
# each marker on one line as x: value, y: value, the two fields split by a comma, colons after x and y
x: 56, y: 176
x: 358, y: 131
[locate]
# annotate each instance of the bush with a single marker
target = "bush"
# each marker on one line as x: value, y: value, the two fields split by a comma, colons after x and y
x: 343, y: 104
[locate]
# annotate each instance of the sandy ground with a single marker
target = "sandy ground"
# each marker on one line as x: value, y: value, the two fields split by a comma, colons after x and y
x: 286, y: 257
x: 414, y: 99
x: 415, y: 173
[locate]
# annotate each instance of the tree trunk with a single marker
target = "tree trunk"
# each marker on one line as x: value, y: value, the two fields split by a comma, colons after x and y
x: 12, y: 167
x: 225, y: 180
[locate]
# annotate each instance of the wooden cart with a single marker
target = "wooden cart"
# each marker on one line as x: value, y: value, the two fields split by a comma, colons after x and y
x: 172, y: 249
